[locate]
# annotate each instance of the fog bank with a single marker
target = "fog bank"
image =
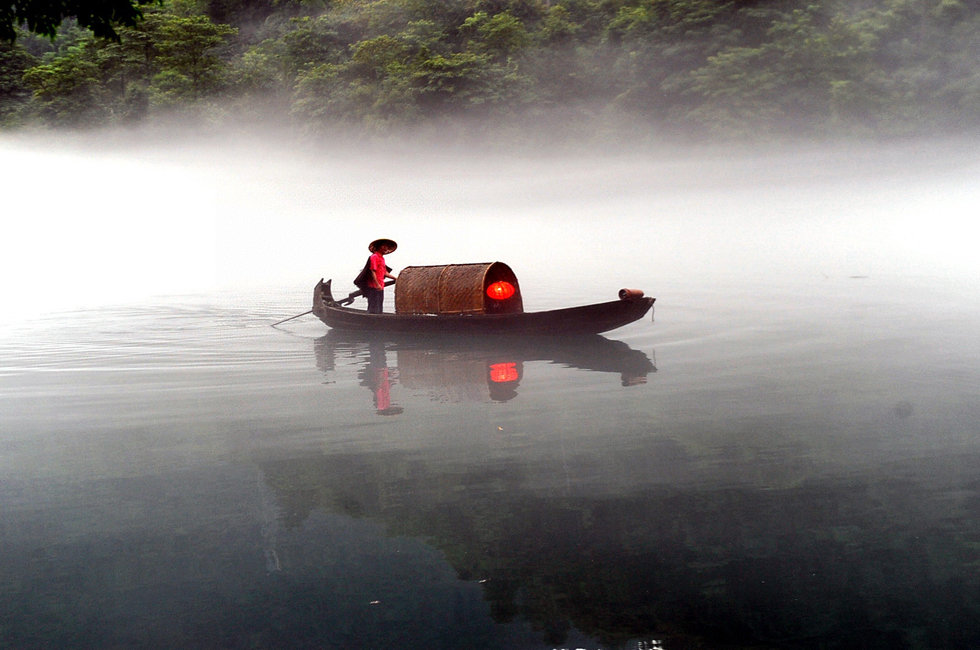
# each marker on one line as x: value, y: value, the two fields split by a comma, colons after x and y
x: 97, y: 221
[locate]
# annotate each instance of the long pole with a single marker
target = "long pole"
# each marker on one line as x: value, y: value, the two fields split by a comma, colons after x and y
x: 292, y: 317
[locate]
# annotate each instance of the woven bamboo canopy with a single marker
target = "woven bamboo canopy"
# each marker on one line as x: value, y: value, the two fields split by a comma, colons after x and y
x: 456, y: 289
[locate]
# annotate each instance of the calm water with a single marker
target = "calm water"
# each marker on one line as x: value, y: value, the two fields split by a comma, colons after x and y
x: 769, y: 464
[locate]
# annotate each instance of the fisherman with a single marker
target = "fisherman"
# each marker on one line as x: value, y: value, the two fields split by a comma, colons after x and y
x: 377, y: 272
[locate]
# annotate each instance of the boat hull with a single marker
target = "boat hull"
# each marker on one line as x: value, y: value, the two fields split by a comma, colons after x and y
x: 572, y: 321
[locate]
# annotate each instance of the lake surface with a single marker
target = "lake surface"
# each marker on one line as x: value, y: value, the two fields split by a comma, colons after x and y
x: 778, y: 464
x: 785, y: 456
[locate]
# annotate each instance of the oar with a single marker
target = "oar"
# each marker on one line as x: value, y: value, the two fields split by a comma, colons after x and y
x: 292, y: 317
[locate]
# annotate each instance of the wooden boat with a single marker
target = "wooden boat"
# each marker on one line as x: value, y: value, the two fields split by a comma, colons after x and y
x: 453, y: 300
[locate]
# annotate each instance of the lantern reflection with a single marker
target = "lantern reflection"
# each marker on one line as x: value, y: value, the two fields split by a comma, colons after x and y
x: 501, y: 373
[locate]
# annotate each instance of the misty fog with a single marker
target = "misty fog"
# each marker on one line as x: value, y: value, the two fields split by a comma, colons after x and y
x: 93, y: 220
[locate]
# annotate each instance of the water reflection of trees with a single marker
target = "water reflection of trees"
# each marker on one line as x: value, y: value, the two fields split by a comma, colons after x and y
x: 468, y: 369
x: 835, y: 562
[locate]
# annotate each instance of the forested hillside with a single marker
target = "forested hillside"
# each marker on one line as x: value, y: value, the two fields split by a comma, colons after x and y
x: 709, y: 68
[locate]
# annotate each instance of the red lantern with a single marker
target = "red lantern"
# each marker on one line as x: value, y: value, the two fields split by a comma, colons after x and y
x: 501, y: 290
x: 501, y: 373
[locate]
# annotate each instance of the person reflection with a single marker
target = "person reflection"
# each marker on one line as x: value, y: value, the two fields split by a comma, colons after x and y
x: 377, y: 376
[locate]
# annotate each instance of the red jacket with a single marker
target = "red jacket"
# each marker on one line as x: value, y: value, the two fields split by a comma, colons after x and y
x: 378, y: 270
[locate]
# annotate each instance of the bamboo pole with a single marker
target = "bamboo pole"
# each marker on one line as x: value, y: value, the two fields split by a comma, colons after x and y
x: 292, y: 317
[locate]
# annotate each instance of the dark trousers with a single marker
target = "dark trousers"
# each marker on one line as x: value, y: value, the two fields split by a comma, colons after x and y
x: 376, y: 300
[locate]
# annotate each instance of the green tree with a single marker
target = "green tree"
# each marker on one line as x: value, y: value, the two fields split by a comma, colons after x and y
x: 45, y: 18
x: 189, y: 70
x: 811, y: 72
x: 14, y: 93
x: 500, y: 35
x: 67, y: 88
x: 165, y: 61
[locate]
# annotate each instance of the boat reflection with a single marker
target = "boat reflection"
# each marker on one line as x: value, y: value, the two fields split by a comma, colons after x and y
x: 468, y: 369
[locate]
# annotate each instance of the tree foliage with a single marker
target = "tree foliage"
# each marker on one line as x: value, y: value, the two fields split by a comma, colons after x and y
x: 716, y: 67
x: 166, y: 61
x: 14, y: 93
x: 103, y: 17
